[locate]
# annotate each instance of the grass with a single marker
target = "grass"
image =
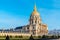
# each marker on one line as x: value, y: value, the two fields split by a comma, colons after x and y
x: 14, y: 39
x: 27, y: 37
x: 17, y: 37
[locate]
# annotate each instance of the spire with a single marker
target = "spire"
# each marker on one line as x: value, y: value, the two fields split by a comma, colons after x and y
x: 35, y: 12
x: 35, y: 7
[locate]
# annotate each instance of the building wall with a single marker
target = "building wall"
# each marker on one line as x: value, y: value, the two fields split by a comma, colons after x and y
x: 15, y: 34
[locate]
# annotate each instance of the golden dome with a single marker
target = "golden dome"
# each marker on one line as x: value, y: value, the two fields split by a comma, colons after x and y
x: 35, y: 11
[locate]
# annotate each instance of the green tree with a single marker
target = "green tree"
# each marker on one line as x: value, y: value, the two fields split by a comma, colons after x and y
x: 43, y: 36
x: 7, y: 38
x: 31, y: 38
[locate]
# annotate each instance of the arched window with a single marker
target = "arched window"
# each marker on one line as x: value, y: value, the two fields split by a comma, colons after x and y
x: 35, y: 21
x: 32, y: 21
x: 34, y: 27
x: 27, y: 27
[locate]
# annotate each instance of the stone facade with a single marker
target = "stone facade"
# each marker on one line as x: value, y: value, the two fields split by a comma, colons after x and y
x: 35, y: 26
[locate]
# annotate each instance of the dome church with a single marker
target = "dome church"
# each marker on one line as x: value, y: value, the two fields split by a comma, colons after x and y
x: 35, y: 27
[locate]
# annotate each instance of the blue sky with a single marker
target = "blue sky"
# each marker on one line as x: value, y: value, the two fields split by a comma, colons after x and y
x: 15, y: 13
